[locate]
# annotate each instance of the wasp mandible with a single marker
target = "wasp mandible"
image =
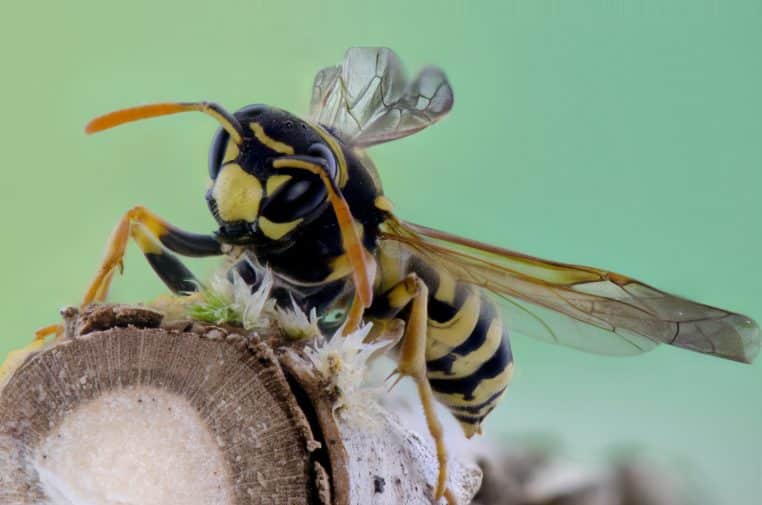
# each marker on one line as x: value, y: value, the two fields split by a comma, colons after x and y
x: 302, y: 197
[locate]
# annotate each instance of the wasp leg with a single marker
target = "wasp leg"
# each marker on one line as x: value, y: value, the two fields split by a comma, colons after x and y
x: 53, y: 329
x: 154, y: 236
x: 412, y: 360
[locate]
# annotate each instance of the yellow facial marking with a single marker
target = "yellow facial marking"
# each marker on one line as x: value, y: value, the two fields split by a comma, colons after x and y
x: 274, y: 182
x: 231, y: 152
x: 383, y: 203
x: 237, y: 194
x: 270, y: 142
x: 277, y: 231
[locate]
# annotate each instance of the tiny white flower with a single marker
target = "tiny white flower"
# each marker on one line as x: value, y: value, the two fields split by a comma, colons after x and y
x: 296, y: 324
x: 255, y: 306
x: 345, y: 360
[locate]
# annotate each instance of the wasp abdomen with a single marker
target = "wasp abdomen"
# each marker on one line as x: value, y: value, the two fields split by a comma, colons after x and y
x: 468, y: 353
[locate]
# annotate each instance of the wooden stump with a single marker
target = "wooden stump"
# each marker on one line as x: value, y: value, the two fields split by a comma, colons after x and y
x: 131, y: 411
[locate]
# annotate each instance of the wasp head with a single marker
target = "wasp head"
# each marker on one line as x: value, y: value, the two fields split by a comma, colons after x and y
x: 271, y: 172
x: 259, y: 194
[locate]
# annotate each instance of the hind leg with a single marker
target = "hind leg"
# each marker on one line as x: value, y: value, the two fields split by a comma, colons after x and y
x: 412, y: 363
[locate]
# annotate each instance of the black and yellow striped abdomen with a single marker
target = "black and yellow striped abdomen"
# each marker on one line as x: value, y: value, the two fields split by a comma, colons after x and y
x: 468, y: 353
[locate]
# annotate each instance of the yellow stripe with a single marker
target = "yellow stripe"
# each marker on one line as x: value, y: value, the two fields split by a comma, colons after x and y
x: 392, y: 258
x: 340, y: 268
x: 276, y: 181
x: 402, y: 293
x: 270, y: 142
x: 443, y: 337
x: 470, y: 363
x: 147, y: 242
x: 446, y: 290
x: 276, y: 231
x: 231, y: 152
x: 383, y: 203
x: 483, y: 391
x: 486, y: 389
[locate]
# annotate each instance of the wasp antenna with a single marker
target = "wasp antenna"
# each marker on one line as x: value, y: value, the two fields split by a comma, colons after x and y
x: 119, y: 117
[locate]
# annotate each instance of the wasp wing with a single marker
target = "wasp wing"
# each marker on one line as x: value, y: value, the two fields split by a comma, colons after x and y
x: 368, y: 100
x: 583, y: 307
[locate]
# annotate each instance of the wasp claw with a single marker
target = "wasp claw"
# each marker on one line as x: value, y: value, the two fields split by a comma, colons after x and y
x: 396, y: 375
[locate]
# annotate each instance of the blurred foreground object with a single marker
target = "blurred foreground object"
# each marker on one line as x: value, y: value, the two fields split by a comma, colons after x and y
x: 127, y: 409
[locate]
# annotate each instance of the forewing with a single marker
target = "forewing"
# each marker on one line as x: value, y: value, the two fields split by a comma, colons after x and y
x: 367, y: 99
x: 583, y: 307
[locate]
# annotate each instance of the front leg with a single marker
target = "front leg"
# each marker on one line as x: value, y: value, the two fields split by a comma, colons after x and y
x: 154, y: 236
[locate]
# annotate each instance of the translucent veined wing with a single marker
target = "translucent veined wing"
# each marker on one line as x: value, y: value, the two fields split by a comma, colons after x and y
x: 368, y: 100
x: 582, y: 307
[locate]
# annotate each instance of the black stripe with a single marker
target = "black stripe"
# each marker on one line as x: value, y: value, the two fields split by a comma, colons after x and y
x: 475, y: 409
x: 467, y: 385
x: 380, y: 308
x: 191, y: 244
x: 440, y: 311
x: 174, y: 274
x: 475, y: 340
x: 469, y: 419
x: 462, y: 291
x: 463, y: 418
x: 428, y: 275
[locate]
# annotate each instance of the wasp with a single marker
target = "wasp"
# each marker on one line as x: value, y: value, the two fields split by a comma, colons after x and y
x: 302, y: 197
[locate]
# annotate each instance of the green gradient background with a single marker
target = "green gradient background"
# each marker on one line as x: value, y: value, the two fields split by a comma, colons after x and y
x: 623, y: 135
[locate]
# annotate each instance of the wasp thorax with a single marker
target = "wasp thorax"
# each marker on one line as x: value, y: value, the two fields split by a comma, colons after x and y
x: 252, y: 200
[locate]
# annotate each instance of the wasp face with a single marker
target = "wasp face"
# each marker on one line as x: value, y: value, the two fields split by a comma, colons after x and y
x: 254, y: 202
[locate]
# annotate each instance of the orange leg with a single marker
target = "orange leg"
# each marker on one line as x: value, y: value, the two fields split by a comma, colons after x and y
x: 153, y: 235
x: 412, y: 363
x: 53, y: 329
x: 112, y: 259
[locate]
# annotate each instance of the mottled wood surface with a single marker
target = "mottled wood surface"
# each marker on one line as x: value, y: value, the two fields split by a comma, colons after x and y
x: 239, y: 391
x: 280, y: 432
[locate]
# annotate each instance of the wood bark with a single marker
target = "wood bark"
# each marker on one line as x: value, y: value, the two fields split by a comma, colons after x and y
x: 271, y: 413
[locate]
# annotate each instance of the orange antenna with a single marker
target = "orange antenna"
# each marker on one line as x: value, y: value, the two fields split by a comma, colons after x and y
x: 363, y: 268
x: 119, y: 117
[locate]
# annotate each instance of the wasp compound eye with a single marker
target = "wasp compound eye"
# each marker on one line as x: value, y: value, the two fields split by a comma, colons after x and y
x: 297, y: 198
x: 322, y: 151
x: 217, y: 151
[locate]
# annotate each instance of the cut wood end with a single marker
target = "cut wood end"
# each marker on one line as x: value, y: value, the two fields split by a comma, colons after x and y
x: 130, y: 409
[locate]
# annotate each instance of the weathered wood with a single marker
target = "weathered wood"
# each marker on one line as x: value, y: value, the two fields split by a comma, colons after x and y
x: 272, y: 421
